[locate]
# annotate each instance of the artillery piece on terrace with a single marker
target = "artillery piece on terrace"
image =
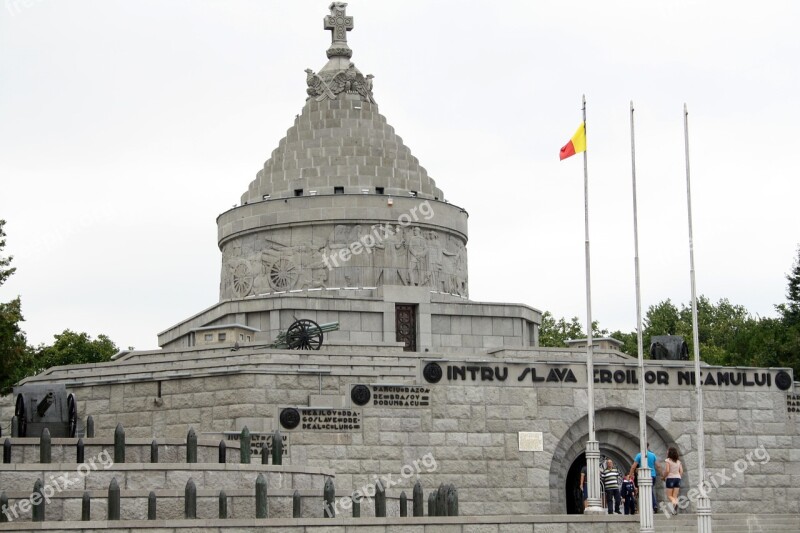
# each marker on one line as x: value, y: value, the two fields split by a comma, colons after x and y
x: 46, y: 406
x: 303, y: 334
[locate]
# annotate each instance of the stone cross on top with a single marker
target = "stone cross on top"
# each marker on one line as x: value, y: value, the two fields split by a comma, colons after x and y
x: 339, y: 24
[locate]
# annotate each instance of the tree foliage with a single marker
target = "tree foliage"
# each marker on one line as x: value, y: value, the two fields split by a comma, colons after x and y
x: 554, y: 333
x: 13, y: 344
x: 728, y: 334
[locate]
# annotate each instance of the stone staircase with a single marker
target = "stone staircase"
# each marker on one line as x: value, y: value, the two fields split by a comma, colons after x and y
x: 731, y: 523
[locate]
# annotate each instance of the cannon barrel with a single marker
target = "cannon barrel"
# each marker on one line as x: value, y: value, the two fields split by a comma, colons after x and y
x: 44, y: 405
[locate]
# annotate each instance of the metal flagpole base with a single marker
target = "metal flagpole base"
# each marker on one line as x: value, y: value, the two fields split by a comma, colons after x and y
x: 593, y: 479
x: 703, y: 515
x: 646, y: 511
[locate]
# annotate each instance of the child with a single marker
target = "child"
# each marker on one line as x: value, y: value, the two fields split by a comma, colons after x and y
x: 628, y: 495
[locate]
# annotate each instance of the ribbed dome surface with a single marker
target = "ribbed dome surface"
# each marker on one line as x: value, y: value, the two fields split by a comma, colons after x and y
x: 341, y: 143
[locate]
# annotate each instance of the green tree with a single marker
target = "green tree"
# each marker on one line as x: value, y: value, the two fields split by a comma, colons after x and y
x: 791, y: 311
x: 554, y: 333
x: 13, y: 345
x: 71, y: 348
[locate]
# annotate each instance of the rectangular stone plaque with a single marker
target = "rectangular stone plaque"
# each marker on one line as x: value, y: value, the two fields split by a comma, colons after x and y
x: 531, y: 441
x: 257, y: 440
x: 400, y: 396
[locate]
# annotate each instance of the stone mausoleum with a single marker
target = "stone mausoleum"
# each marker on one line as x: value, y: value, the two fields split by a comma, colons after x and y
x: 343, y: 225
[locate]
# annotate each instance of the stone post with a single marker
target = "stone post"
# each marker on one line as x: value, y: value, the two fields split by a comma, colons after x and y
x: 190, y: 500
x: 646, y: 488
x: 441, y: 501
x: 151, y: 506
x: 3, y: 507
x: 191, y: 446
x: 356, y: 498
x: 14, y: 426
x: 154, y: 451
x: 277, y: 448
x: 37, y: 501
x: 44, y: 447
x: 223, y: 504
x: 113, y: 500
x: 403, y: 504
x: 416, y: 496
x: 432, y: 503
x: 89, y: 427
x: 452, y: 501
x: 244, y: 446
x: 264, y: 453
x: 380, y: 500
x: 119, y: 445
x: 703, y: 514
x: 262, y: 511
x: 296, y: 511
x: 86, y: 506
x: 80, y: 452
x: 223, y: 452
x: 7, y: 451
x: 329, y: 493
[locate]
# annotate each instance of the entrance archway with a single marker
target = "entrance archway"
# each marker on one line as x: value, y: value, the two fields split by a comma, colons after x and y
x: 617, y: 432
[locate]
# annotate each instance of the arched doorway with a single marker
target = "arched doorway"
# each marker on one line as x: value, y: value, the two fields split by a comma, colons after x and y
x: 617, y: 432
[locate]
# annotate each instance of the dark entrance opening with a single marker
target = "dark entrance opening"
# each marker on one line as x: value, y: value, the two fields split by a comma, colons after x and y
x: 574, y: 492
x: 406, y: 326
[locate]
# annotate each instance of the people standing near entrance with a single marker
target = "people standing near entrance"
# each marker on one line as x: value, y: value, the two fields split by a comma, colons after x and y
x: 673, y: 472
x: 628, y: 493
x: 610, y: 478
x: 655, y: 470
x: 583, y: 486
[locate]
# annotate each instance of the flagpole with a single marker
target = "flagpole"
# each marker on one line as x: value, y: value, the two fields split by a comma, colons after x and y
x: 646, y: 487
x: 703, y: 502
x: 592, y: 446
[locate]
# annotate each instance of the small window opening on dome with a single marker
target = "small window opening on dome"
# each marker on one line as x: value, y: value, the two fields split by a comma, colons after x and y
x: 378, y: 190
x: 298, y: 192
x: 338, y: 190
x: 265, y: 197
x: 413, y: 194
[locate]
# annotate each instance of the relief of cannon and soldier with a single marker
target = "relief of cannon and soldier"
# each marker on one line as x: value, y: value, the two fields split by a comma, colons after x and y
x: 344, y: 255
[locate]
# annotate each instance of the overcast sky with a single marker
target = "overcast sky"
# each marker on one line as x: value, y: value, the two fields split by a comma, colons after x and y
x: 126, y: 127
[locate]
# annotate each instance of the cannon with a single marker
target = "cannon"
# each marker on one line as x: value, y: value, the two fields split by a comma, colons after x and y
x: 46, y: 406
x: 668, y: 347
x: 303, y: 334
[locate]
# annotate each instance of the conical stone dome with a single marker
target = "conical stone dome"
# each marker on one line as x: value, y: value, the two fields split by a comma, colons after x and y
x: 341, y: 204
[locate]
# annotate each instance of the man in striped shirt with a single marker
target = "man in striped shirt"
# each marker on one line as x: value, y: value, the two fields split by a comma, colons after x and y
x: 610, y: 478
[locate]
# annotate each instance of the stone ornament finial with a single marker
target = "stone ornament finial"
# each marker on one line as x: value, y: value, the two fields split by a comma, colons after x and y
x: 348, y: 81
x: 339, y: 24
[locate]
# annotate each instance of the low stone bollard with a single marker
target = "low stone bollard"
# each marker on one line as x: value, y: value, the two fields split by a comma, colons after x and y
x: 86, y: 506
x: 356, y: 498
x: 277, y: 448
x: 37, y: 501
x: 113, y: 500
x: 14, y: 426
x: 7, y: 451
x: 80, y: 452
x: 244, y: 446
x: 119, y: 445
x: 191, y: 446
x: 452, y: 501
x: 151, y: 506
x: 3, y: 506
x: 416, y: 496
x: 296, y: 510
x: 264, y: 453
x: 154, y: 451
x: 441, y: 500
x: 89, y: 427
x: 261, y: 497
x: 223, y: 504
x: 190, y: 500
x: 328, y: 494
x: 432, y: 504
x: 223, y: 452
x: 45, y: 450
x: 380, y: 501
x: 403, y: 504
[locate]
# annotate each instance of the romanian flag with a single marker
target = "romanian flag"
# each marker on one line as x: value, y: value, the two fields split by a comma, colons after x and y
x: 575, y: 145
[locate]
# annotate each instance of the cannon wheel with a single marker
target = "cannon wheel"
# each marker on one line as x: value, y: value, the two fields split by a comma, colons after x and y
x: 72, y: 414
x: 304, y: 334
x: 19, y: 411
